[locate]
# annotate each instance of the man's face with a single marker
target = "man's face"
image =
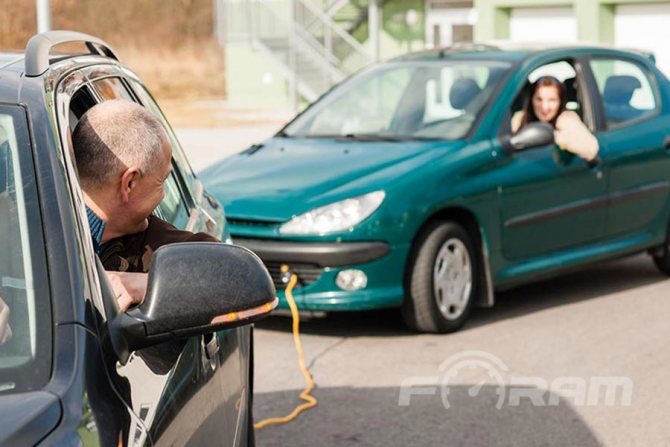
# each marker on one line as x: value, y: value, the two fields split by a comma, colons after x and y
x: 147, y: 192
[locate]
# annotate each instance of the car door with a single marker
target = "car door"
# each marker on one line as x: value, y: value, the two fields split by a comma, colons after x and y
x: 30, y: 404
x: 186, y: 392
x: 551, y: 200
x: 634, y: 138
x: 231, y: 347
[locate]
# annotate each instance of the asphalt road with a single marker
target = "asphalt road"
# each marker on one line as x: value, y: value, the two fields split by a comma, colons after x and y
x: 545, y: 348
x: 553, y: 340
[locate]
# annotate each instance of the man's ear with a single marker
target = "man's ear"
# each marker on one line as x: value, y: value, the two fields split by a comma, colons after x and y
x: 128, y: 181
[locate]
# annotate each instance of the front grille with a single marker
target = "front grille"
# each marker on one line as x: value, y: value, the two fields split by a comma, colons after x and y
x: 251, y: 223
x: 307, y: 273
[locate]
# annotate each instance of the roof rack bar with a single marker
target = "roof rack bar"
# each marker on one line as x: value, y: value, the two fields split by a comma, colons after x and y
x: 39, y: 47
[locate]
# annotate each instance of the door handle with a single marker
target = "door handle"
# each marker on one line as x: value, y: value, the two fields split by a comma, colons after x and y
x: 211, y: 345
x: 596, y: 162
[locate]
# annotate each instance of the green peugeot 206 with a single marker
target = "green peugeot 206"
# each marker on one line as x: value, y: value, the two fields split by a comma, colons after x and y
x: 405, y: 186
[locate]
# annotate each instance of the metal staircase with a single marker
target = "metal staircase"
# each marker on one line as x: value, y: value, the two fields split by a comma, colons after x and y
x: 301, y: 37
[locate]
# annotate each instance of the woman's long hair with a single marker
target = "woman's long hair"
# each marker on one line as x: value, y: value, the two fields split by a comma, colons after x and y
x: 544, y: 81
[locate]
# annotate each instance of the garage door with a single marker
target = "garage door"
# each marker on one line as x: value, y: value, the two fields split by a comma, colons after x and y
x: 543, y: 25
x: 645, y: 26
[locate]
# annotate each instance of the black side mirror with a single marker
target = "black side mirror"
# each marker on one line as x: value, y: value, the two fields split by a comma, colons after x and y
x: 195, y: 289
x: 531, y: 135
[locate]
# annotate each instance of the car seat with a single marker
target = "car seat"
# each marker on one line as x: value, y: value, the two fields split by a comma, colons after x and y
x: 463, y: 91
x: 616, y: 97
x: 572, y: 96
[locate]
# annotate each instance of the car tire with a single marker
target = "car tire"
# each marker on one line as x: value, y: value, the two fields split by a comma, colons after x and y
x: 661, y: 257
x: 440, y: 286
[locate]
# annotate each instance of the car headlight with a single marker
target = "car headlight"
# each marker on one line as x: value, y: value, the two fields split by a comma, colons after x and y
x: 338, y: 216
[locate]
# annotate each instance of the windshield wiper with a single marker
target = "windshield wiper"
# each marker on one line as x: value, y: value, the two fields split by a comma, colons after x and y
x: 369, y: 137
x: 418, y: 138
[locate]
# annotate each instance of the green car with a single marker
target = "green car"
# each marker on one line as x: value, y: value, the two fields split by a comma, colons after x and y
x: 404, y: 186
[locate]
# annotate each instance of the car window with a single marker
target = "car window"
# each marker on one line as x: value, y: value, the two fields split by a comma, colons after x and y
x: 25, y: 308
x: 81, y: 101
x: 565, y: 72
x: 369, y: 108
x: 111, y: 88
x: 438, y: 100
x: 561, y: 70
x: 451, y: 90
x: 626, y: 90
x: 173, y: 209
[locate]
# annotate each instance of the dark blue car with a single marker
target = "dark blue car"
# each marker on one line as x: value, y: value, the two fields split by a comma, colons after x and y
x: 75, y: 370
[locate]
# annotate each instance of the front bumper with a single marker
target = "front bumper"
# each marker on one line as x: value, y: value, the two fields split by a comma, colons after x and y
x: 318, y: 263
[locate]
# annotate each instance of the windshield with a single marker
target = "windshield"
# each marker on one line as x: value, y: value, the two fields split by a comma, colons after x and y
x: 431, y: 100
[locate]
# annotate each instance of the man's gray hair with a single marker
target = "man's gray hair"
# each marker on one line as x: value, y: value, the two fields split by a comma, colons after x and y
x: 113, y: 136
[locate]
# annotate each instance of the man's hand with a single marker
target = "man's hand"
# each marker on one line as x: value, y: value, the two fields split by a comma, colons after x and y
x: 129, y: 288
x: 5, y: 330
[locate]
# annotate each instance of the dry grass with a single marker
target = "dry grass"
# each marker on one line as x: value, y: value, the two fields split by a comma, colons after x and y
x: 168, y: 43
x: 194, y: 70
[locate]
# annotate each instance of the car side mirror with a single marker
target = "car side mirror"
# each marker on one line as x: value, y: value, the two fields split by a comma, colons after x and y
x: 529, y: 136
x: 194, y: 289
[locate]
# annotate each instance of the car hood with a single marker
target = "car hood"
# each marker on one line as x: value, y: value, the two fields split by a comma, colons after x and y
x: 286, y: 177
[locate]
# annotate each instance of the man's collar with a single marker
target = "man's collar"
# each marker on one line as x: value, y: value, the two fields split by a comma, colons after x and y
x: 97, y: 227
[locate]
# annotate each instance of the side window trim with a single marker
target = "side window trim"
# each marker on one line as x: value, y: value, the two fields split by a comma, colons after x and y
x: 653, y: 84
x: 65, y: 90
x: 585, y: 94
x: 595, y: 99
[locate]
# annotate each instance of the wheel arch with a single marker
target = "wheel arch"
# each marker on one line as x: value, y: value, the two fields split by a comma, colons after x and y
x: 467, y: 219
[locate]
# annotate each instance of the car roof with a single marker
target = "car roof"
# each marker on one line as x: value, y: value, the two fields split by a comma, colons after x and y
x: 511, y: 51
x: 12, y: 61
x: 13, y: 69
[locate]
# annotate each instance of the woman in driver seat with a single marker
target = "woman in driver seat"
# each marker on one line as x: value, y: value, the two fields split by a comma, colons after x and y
x: 547, y: 104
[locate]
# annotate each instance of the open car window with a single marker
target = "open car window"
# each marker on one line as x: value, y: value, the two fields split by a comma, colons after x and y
x: 174, y: 207
x: 566, y: 72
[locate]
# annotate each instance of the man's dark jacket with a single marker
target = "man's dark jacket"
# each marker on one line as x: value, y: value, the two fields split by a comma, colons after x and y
x: 133, y: 252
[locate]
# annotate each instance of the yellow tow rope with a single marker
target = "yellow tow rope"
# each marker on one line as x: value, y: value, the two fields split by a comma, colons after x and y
x: 310, y: 401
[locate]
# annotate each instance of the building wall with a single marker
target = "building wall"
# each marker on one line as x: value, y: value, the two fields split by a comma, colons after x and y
x: 595, y: 18
x: 444, y: 21
x: 253, y: 80
x: 637, y: 24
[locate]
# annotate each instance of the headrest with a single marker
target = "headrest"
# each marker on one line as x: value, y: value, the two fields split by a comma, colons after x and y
x: 620, y: 89
x: 463, y: 92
